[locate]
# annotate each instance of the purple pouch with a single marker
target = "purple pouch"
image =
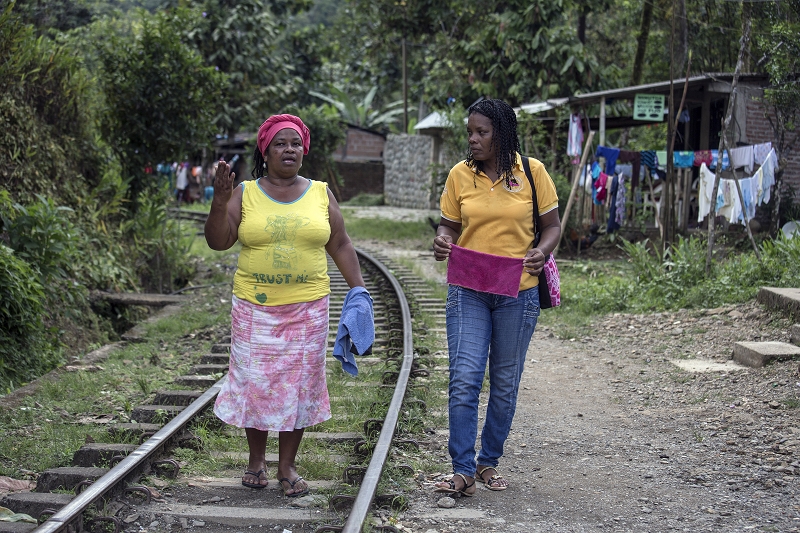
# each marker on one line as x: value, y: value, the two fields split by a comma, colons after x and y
x: 484, y: 272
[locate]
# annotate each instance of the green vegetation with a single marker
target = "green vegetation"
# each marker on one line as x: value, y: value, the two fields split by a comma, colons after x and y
x: 648, y: 281
x: 365, y: 199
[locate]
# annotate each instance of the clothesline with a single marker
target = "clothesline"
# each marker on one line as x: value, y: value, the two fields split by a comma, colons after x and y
x: 742, y: 157
x: 755, y: 188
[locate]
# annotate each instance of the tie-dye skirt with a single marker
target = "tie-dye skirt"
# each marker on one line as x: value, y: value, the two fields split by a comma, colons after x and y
x: 276, y: 379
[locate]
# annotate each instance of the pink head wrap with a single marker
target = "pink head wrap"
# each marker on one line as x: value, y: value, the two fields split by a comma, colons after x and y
x: 276, y: 123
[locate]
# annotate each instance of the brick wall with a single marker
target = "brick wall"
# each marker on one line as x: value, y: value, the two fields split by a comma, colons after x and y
x: 361, y: 145
x: 363, y: 177
x: 759, y: 130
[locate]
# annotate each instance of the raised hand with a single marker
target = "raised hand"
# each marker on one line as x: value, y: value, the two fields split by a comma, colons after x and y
x: 223, y: 182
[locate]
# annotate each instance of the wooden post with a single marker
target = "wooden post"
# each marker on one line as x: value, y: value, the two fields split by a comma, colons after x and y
x: 722, y: 141
x: 586, y: 148
x: 603, y: 121
x: 741, y: 201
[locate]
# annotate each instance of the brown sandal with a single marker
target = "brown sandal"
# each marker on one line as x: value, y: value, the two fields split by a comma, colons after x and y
x: 494, y: 482
x: 453, y: 491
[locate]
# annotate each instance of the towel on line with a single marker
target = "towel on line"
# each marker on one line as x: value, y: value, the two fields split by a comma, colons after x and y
x: 484, y: 272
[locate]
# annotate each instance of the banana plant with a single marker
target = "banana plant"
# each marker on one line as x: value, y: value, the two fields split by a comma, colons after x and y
x: 361, y: 113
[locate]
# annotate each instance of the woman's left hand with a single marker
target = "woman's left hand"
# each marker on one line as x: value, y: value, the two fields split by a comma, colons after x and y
x: 534, y: 260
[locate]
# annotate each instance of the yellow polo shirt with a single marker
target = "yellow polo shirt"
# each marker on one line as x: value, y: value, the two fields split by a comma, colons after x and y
x: 496, y: 219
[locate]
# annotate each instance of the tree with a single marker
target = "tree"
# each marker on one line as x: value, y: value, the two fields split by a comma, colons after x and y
x: 160, y: 97
x: 47, y: 134
x: 782, y: 48
x: 243, y: 39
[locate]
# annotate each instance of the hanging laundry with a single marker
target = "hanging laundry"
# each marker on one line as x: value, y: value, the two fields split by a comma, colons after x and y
x: 610, y: 154
x: 760, y: 152
x: 662, y: 158
x: 683, y: 159
x: 742, y: 157
x: 600, y: 189
x: 649, y: 159
x: 635, y: 159
x: 702, y: 156
x: 767, y: 179
x: 586, y: 172
x: 704, y: 191
x: 726, y: 164
x: 620, y: 199
x: 728, y: 205
x: 575, y: 139
x: 611, y: 225
x: 749, y: 194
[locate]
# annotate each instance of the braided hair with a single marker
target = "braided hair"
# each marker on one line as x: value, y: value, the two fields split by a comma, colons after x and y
x: 504, y: 136
x: 259, y: 165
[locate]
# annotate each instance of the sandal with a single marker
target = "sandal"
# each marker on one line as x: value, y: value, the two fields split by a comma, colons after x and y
x: 256, y: 475
x: 496, y: 482
x: 291, y: 487
x: 453, y: 491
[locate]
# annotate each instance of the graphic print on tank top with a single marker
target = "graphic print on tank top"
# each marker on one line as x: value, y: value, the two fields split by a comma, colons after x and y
x: 283, y: 231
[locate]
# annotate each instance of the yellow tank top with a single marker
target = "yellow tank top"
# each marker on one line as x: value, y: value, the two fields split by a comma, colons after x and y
x: 283, y: 258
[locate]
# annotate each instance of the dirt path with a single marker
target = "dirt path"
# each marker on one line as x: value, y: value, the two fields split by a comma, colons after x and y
x: 600, y: 443
x: 643, y: 425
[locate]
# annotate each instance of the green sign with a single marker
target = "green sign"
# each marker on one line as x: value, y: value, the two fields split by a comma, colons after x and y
x: 648, y: 107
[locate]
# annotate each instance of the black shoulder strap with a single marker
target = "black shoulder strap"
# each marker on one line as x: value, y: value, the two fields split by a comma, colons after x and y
x: 526, y: 165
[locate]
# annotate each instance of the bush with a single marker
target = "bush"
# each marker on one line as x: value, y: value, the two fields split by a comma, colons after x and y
x: 160, y: 249
x: 47, y: 141
x: 42, y: 235
x: 677, y: 279
x: 25, y: 351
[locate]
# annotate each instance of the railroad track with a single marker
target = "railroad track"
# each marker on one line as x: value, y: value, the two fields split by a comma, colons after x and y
x: 103, y: 489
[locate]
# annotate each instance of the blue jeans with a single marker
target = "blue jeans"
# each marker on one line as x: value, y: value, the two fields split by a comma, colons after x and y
x: 483, y: 326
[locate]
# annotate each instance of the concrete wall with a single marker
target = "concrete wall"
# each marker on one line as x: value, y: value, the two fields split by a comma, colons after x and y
x: 408, y: 180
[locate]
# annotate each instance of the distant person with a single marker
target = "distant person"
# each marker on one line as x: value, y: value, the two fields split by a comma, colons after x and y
x: 279, y: 332
x: 487, y: 206
x: 181, y: 182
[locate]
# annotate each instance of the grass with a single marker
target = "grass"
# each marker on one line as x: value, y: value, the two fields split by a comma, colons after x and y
x: 62, y: 414
x: 365, y: 199
x: 411, y: 234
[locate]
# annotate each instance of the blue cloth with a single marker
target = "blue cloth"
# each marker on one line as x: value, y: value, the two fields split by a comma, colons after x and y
x: 477, y: 321
x: 649, y: 159
x: 356, y: 332
x: 726, y: 162
x: 683, y: 159
x: 611, y: 155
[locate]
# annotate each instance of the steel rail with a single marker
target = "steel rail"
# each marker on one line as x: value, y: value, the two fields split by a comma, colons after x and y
x: 369, y: 485
x: 62, y: 518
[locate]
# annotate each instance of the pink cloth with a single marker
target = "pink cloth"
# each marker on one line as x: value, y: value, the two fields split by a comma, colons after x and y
x: 484, y: 272
x: 553, y: 281
x: 276, y: 378
x: 276, y: 123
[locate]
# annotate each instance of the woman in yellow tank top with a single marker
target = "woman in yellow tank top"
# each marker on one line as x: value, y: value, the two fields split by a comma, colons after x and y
x: 279, y: 318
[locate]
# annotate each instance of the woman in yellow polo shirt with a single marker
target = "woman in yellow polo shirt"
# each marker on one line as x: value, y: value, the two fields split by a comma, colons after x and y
x: 487, y: 206
x: 279, y: 331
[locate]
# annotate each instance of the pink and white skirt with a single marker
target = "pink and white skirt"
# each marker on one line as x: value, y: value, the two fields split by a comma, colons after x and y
x: 276, y: 379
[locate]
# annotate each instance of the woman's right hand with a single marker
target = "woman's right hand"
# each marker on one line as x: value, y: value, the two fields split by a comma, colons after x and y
x: 223, y: 182
x: 441, y: 247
